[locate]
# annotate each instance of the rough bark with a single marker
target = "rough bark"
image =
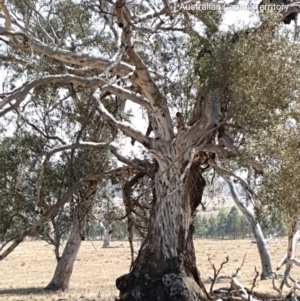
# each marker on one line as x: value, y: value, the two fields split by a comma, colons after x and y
x: 65, y: 264
x: 264, y: 253
x: 165, y: 268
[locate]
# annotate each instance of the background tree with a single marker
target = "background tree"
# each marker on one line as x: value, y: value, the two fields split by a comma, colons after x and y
x: 201, y: 225
x: 233, y: 222
x: 222, y: 220
x: 244, y: 226
x: 212, y: 230
x: 280, y: 198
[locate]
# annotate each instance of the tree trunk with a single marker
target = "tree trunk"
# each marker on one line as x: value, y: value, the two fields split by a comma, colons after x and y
x: 289, y: 259
x: 165, y: 268
x: 264, y: 253
x: 107, y: 238
x: 65, y: 264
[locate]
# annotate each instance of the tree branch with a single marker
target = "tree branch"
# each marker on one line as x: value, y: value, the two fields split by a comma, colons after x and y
x: 230, y: 173
x: 26, y: 43
x: 20, y: 93
x: 6, y: 15
x: 126, y: 129
x: 38, y: 226
x: 163, y: 127
x: 216, y: 272
x: 134, y: 163
x: 238, y: 201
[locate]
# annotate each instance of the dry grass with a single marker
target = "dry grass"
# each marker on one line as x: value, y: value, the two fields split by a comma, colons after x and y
x: 29, y: 268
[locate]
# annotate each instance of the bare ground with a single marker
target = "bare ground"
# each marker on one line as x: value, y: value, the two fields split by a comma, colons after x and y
x: 25, y: 272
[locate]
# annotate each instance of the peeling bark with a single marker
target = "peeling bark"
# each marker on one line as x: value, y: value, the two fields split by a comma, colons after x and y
x: 165, y: 268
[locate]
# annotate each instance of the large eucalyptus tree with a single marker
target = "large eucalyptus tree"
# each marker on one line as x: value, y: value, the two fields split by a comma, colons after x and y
x: 139, y: 52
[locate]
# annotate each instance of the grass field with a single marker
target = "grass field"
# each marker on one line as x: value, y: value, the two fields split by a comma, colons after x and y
x: 25, y: 272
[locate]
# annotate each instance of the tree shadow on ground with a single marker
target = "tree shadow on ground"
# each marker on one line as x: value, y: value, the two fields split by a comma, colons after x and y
x: 24, y: 291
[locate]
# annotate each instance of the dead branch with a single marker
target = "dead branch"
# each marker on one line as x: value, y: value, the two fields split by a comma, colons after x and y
x: 254, y: 280
x: 216, y: 272
x: 274, y: 285
x: 282, y: 262
x: 238, y: 271
x: 239, y: 289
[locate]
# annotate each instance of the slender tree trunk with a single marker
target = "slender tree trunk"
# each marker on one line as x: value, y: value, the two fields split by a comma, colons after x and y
x: 264, y: 253
x: 289, y: 259
x: 165, y: 268
x: 65, y: 264
x: 263, y: 250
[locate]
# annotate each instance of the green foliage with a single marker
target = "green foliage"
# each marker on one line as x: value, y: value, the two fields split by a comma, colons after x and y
x: 232, y: 225
x: 212, y: 226
x: 120, y: 230
x: 233, y: 222
x: 200, y: 226
x: 222, y: 220
x: 244, y: 226
x: 256, y: 76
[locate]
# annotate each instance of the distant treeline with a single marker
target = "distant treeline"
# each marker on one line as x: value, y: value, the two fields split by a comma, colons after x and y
x: 225, y: 225
x: 233, y: 225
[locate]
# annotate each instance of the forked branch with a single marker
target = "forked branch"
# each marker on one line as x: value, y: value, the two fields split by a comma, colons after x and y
x: 216, y: 272
x: 127, y: 129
